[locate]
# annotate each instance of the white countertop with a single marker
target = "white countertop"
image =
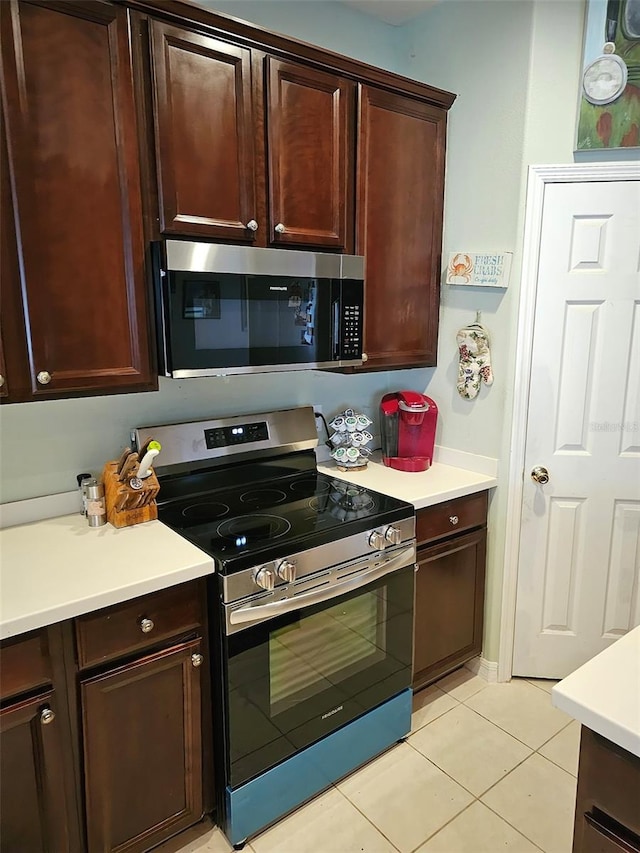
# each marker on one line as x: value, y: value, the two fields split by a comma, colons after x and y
x: 60, y: 568
x: 604, y: 693
x: 423, y: 488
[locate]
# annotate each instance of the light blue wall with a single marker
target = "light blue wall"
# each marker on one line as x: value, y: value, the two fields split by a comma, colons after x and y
x: 324, y: 23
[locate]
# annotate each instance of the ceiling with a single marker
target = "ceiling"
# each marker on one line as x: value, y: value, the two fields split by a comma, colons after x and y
x: 396, y: 12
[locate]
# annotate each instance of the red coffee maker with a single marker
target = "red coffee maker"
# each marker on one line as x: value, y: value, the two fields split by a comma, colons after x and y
x: 408, y: 430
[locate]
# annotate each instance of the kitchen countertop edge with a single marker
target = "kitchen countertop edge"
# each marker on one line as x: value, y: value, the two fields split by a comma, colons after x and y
x: 79, y: 591
x: 422, y: 489
x: 598, y: 694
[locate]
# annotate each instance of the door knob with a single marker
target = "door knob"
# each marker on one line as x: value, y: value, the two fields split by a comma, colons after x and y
x: 540, y: 475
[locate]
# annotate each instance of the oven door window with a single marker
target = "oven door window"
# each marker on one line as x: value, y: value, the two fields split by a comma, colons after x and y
x: 227, y: 320
x: 297, y: 678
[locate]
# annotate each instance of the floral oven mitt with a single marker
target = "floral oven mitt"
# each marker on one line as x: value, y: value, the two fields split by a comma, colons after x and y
x: 475, y: 360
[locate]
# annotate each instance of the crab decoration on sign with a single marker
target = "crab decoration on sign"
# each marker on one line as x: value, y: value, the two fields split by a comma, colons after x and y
x: 459, y: 269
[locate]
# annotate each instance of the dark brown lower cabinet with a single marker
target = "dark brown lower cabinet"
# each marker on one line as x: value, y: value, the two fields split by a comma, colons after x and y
x: 33, y: 814
x: 143, y: 750
x: 607, y: 818
x: 450, y: 579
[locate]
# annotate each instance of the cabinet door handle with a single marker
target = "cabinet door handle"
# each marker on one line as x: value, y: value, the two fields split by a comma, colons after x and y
x: 146, y: 625
x: 197, y: 659
x: 1, y: 381
x: 44, y: 378
x: 252, y: 225
x: 47, y: 716
x: 454, y: 519
x: 279, y: 229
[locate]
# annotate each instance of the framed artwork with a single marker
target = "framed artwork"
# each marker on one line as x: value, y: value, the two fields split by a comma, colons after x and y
x: 609, y: 109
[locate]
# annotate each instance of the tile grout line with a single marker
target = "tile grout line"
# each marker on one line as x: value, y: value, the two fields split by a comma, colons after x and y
x: 377, y: 829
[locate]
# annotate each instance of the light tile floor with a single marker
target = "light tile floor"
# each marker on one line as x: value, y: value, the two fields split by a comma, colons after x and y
x: 487, y: 768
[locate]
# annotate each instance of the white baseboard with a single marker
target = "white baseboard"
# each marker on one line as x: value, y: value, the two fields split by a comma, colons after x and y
x: 485, y: 669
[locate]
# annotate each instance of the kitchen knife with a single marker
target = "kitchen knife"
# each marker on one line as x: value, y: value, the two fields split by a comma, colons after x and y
x: 122, y: 459
x: 144, y: 446
x: 144, y: 470
x: 127, y: 469
x: 122, y: 501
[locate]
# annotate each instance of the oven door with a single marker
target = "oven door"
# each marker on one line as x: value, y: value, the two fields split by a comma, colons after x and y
x: 294, y: 678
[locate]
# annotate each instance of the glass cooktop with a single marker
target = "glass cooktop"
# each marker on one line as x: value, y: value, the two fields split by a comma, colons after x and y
x: 260, y: 521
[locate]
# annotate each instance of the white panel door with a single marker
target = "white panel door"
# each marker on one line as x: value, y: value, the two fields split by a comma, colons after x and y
x: 579, y: 564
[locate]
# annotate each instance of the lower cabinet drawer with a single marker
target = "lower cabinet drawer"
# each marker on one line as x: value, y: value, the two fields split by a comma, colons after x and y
x: 608, y: 783
x: 451, y: 517
x: 597, y: 837
x: 24, y: 665
x: 139, y: 624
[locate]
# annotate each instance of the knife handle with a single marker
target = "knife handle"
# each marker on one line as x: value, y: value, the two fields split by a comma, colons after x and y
x: 127, y: 468
x: 122, y: 459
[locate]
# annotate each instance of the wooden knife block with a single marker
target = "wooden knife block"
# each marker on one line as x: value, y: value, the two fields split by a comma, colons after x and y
x: 114, y: 491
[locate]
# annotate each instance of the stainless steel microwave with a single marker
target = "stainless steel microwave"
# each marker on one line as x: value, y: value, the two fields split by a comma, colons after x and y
x: 233, y: 309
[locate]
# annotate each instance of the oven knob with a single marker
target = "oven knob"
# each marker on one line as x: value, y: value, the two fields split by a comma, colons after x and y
x: 287, y: 571
x: 377, y: 540
x: 393, y: 536
x: 265, y: 579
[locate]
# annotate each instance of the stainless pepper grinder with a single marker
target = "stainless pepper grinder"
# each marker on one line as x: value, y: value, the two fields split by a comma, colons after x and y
x: 96, y: 504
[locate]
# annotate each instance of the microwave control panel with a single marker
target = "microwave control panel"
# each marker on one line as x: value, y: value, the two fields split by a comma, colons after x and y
x: 239, y: 434
x: 351, y: 337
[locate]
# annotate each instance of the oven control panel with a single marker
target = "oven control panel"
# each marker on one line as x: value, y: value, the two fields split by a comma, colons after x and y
x: 231, y: 436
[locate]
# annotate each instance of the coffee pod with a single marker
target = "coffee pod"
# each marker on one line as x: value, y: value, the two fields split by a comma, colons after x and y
x: 349, y: 413
x: 351, y: 423
x: 366, y: 436
x: 338, y: 424
x: 363, y: 421
x: 357, y: 439
x: 352, y: 454
x: 339, y: 454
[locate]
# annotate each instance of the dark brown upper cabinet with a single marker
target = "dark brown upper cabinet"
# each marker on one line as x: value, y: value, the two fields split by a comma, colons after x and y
x: 203, y: 135
x: 399, y: 201
x: 76, y: 199
x: 310, y: 155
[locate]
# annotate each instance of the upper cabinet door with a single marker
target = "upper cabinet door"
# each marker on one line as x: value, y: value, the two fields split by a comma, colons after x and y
x: 310, y: 153
x: 73, y: 155
x: 400, y: 186
x: 203, y: 135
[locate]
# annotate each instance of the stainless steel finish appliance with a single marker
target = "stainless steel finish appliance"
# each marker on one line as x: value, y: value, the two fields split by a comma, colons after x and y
x: 311, y: 607
x: 237, y: 309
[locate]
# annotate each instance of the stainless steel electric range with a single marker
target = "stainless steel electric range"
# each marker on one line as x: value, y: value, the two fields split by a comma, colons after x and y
x: 311, y: 607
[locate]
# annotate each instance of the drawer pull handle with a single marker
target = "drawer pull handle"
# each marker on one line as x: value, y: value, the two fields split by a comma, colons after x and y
x: 47, y: 716
x: 454, y: 519
x: 146, y: 625
x: 196, y: 660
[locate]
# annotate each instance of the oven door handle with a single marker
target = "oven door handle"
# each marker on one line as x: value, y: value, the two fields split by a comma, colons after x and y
x: 263, y: 612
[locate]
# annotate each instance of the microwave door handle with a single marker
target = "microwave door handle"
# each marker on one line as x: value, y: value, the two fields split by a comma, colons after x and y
x: 336, y: 330
x: 263, y: 612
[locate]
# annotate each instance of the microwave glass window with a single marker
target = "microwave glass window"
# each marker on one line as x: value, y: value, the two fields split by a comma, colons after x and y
x: 235, y: 320
x: 311, y: 655
x: 201, y: 300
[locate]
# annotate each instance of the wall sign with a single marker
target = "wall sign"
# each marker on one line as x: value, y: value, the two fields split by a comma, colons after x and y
x: 481, y: 269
